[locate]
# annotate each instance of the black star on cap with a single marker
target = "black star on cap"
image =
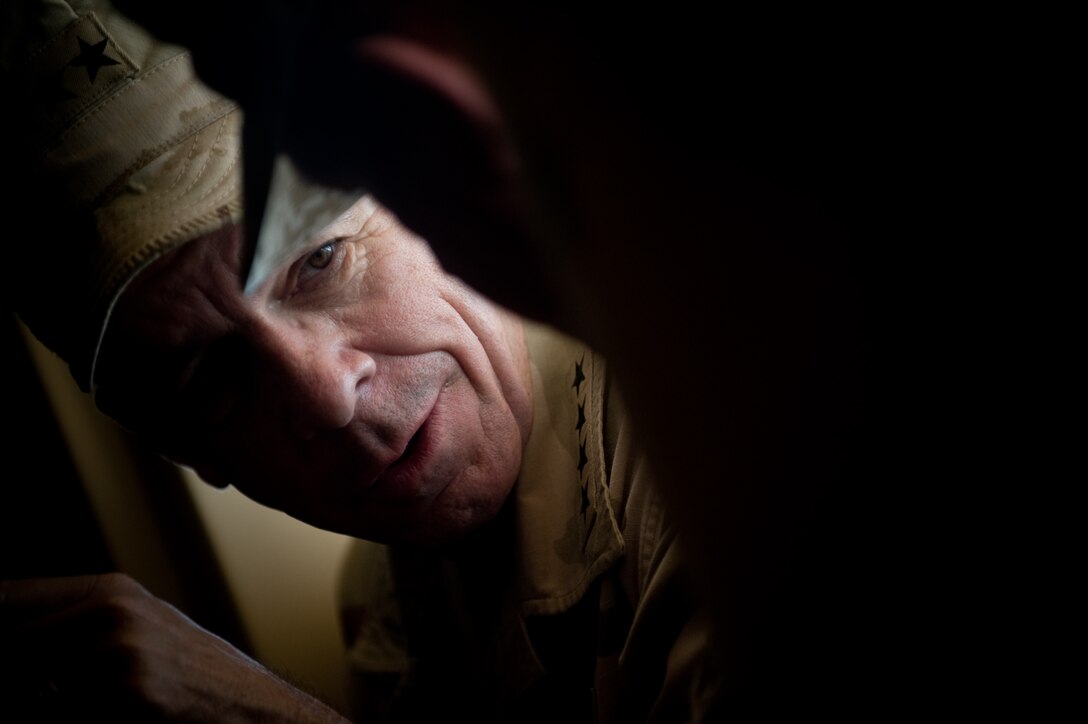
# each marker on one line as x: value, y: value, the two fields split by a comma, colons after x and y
x: 585, y: 499
x: 579, y: 376
x: 93, y: 57
x: 582, y: 459
x: 581, y: 416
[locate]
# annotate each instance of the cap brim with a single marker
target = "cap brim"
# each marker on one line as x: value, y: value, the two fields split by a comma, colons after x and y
x: 258, y: 153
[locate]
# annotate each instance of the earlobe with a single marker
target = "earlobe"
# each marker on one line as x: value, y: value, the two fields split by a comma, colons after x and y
x: 211, y: 477
x: 204, y: 472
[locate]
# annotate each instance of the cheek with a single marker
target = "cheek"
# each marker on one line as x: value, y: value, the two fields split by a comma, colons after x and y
x: 276, y: 482
x: 403, y: 309
x: 238, y: 459
x: 488, y: 428
x: 308, y: 479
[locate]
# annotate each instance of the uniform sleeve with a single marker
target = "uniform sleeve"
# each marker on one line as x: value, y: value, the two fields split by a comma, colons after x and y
x: 665, y: 666
x: 666, y: 662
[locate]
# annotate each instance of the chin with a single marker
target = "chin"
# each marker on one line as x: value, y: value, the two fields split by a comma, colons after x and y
x: 460, y: 511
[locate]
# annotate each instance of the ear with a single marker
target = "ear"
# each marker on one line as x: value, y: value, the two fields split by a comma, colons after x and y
x: 422, y: 128
x: 418, y: 128
x: 443, y: 74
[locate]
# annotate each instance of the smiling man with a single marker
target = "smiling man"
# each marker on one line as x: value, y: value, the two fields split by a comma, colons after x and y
x: 360, y: 387
x: 355, y: 385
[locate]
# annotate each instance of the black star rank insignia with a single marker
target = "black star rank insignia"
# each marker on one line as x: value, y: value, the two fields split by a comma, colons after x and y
x: 92, y: 57
x: 579, y: 377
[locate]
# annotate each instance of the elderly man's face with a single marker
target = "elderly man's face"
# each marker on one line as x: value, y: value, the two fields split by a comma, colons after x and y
x: 360, y: 389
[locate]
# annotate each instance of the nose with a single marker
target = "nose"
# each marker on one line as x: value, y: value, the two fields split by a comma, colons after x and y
x: 314, y: 376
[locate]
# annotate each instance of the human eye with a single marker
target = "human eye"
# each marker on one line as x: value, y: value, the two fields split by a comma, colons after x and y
x: 319, y: 263
x: 322, y: 256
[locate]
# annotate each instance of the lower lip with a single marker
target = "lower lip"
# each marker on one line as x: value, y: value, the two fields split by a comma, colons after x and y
x: 408, y: 476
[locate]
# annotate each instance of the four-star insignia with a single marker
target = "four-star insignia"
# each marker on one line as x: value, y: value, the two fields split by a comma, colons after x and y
x: 583, y: 459
x: 92, y: 57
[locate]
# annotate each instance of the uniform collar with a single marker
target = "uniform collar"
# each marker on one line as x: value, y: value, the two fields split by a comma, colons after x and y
x: 566, y: 527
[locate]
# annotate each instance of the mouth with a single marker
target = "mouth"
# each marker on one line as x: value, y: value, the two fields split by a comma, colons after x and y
x: 407, y: 474
x: 413, y: 445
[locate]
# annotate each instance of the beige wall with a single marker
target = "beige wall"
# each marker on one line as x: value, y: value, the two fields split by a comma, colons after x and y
x: 282, y: 576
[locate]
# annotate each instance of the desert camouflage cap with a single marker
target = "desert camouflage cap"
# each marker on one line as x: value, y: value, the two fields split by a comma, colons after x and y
x: 119, y: 154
